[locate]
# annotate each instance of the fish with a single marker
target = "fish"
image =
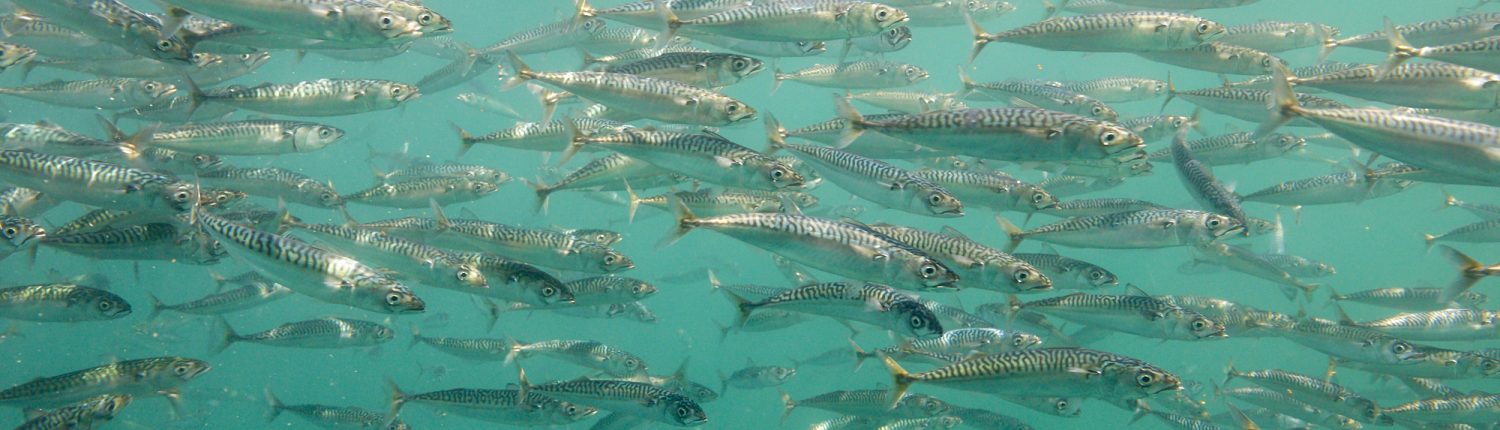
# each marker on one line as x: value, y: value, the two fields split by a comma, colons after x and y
x: 700, y: 69
x: 864, y: 74
x: 1107, y: 32
x: 319, y: 98
x: 1039, y: 95
x: 1237, y: 148
x: 87, y: 414
x: 61, y: 303
x: 1045, y: 372
x: 141, y: 242
x: 420, y: 192
x: 254, y: 291
x: 794, y: 22
x: 708, y: 157
x: 877, y: 181
x: 1479, y: 232
x: 1120, y: 89
x: 17, y: 233
x: 1091, y: 207
x: 115, y: 23
x: 425, y: 264
x: 321, y: 333
x: 1134, y: 313
x: 1279, y: 36
x: 626, y: 397
x: 359, y: 23
x: 275, y: 182
x: 542, y: 247
x: 1070, y: 274
x: 655, y: 98
x: 1425, y: 85
x: 501, y: 406
x: 1155, y: 128
x: 977, y: 265
x: 1468, y: 409
x: 1319, y: 393
x: 97, y: 183
x: 950, y: 14
x: 756, y: 377
x: 335, y: 416
x: 1149, y: 228
x: 870, y: 303
x: 138, y: 378
x: 251, y: 137
x: 1203, y: 185
x: 994, y: 190
x: 547, y: 37
x: 871, y: 403
x: 108, y: 93
x: 1218, y: 57
x: 1011, y: 134
x: 1412, y: 299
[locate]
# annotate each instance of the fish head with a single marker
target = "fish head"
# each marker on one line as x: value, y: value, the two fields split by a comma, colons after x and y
x: 398, y: 92
x: 1325, y: 269
x: 1488, y: 366
x: 103, y: 304
x: 564, y: 412
x: 1037, y: 198
x: 913, y: 73
x: 482, y: 188
x: 931, y: 273
x: 1099, y: 110
x: 782, y: 374
x: 1205, y: 31
x: 252, y: 60
x: 550, y: 291
x: 388, y: 24
x: 183, y: 369
x: 172, y: 50
x: 17, y: 232
x: 1215, y: 226
x: 203, y: 60
x: 606, y: 259
x: 896, y: 39
x: 395, y: 297
x: 221, y: 198
x: 740, y: 66
x: 924, y: 405
x: 311, y: 137
x: 1112, y: 139
x: 325, y: 196
x: 641, y: 289
x: 734, y: 111
x: 986, y: 9
x: 468, y: 276
x: 381, y: 333
x: 1066, y: 406
x: 1151, y: 380
x: 621, y: 364
x: 1024, y: 277
x: 1015, y: 341
x: 915, y: 319
x: 105, y: 407
x: 599, y: 236
x: 871, y: 18
x: 153, y: 91
x: 11, y: 55
x: 940, y: 203
x: 1370, y: 412
x: 803, y: 200
x: 683, y: 411
x: 428, y: 20
x: 1268, y: 63
x: 180, y: 196
x: 204, y: 162
x: 1202, y: 327
x: 1099, y: 277
x: 782, y: 175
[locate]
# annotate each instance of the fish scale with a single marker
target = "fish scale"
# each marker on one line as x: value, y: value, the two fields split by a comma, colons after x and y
x: 1319, y: 393
x: 1234, y: 148
x: 893, y: 187
x: 1091, y: 207
x: 546, y: 37
x: 710, y: 158
x: 553, y: 136
x: 311, y: 270
x: 1472, y: 409
x: 660, y: 99
x: 1047, y: 96
x: 1046, y: 372
x: 318, y: 330
x: 994, y: 190
x: 501, y: 406
x: 1421, y: 85
x: 1118, y: 89
x: 1202, y: 184
x: 154, y: 241
x: 418, y: 193
x: 1436, y: 32
x: 432, y: 266
x: 275, y: 182
x: 1012, y: 134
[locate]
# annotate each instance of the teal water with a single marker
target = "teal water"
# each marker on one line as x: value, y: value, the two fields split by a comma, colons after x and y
x: 1374, y: 244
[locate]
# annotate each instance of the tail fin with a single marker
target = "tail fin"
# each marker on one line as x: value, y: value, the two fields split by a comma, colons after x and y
x: 775, y: 134
x: 229, y: 337
x: 398, y: 400
x: 1171, y: 93
x: 1470, y: 272
x: 635, y: 202
x: 777, y: 77
x: 859, y: 355
x: 1448, y: 200
x: 130, y: 145
x: 1283, y: 106
x: 1230, y: 373
x: 156, y: 306
x: 685, y: 223
x: 513, y: 351
x: 521, y: 74
x: 543, y: 193
x: 981, y: 37
x: 742, y: 308
x: 900, y: 379
x: 670, y: 23
x: 1012, y: 232
x: 466, y: 141
x: 1400, y: 51
x: 275, y: 404
x: 416, y: 337
x: 787, y: 404
x: 967, y: 82
x: 854, y: 123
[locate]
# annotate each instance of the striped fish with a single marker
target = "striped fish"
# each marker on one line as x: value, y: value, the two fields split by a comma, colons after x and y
x: 707, y: 202
x: 1351, y: 343
x: 1236, y: 148
x: 1092, y: 207
x: 863, y: 74
x: 51, y: 138
x: 312, y: 271
x: 61, y: 303
x: 871, y: 403
x: 109, y: 93
x: 700, y: 69
x: 319, y: 333
x: 1436, y: 363
x: 1154, y: 128
x: 554, y: 136
x: 355, y: 23
x: 1150, y: 228
x: 1243, y: 260
x: 1285, y: 405
x: 253, y: 291
x: 1011, y: 134
x: 710, y: 158
x: 1248, y: 104
x: 146, y: 377
x: 495, y: 406
x: 659, y: 99
x: 1438, y: 144
x: 1203, y: 185
x: 97, y: 183
x: 994, y: 190
x: 1481, y: 210
x: 1412, y: 299
x: 1424, y: 85
x: 949, y: 14
x: 1136, y: 314
x: 548, y: 37
x: 1441, y: 325
x: 543, y: 247
x: 277, y: 183
x: 1279, y: 36
x: 640, y: 400
x: 1479, y: 54
x: 833, y: 246
x: 874, y: 180
x: 977, y: 265
x: 1323, y: 394
x: 644, y: 13
x: 873, y: 145
x: 1119, y: 89
x: 910, y: 101
x: 1474, y: 409
x: 251, y: 137
x: 1457, y: 29
x: 153, y: 241
x: 336, y: 416
x: 426, y: 264
x: 86, y: 415
x: 1487, y: 231
x: 870, y: 303
x: 1039, y: 95
x: 1070, y: 274
x: 1218, y: 57
x: 445, y: 170
x: 795, y: 21
x: 1045, y: 372
x: 16, y: 232
x: 323, y: 97
x: 114, y: 22
x: 421, y: 192
x: 1107, y: 32
x: 1346, y: 187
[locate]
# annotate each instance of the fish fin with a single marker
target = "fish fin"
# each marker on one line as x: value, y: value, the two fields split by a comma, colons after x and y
x: 669, y: 20
x: 949, y: 230
x: 775, y: 134
x: 1283, y: 107
x: 1171, y: 93
x: 466, y: 141
x: 521, y: 74
x: 635, y: 205
x: 859, y: 355
x: 156, y: 306
x: 787, y: 404
x: 1400, y: 51
x: 398, y: 400
x: 1469, y: 270
x: 228, y: 338
x: 685, y: 220
x: 1012, y: 232
x: 274, y: 403
x: 981, y: 38
x: 742, y: 308
x: 853, y: 122
x: 900, y: 379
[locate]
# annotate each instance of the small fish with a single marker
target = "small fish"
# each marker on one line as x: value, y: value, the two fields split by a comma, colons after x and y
x: 708, y: 157
x: 877, y: 181
x: 1412, y: 299
x: 1011, y: 134
x: 1070, y: 274
x: 1120, y: 89
x: 1134, y: 313
x: 252, y: 137
x: 660, y: 99
x: 753, y: 377
x: 16, y: 232
x: 61, y: 303
x: 139, y: 378
x: 421, y: 192
x: 1203, y: 185
x: 322, y: 333
x: 85, y: 415
x: 254, y: 291
x: 1279, y: 36
x: 336, y: 416
x: 1108, y: 32
x: 794, y: 22
x: 275, y: 182
x: 1045, y: 372
x: 977, y: 265
x: 1218, y: 57
x: 864, y: 74
x: 323, y: 97
x: 706, y: 70
x: 495, y: 406
x: 1150, y: 228
x: 950, y: 14
x: 871, y: 403
x: 361, y: 24
x: 1237, y: 148
x: 111, y: 93
x: 1039, y: 95
x: 631, y: 398
x: 1092, y: 207
x: 874, y: 304
x: 1317, y: 392
x: 994, y: 190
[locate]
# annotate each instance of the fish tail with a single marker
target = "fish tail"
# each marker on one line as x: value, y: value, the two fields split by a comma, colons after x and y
x: 981, y: 38
x: 713, y: 282
x: 582, y: 11
x: 1448, y: 199
x: 1012, y: 232
x: 416, y: 337
x: 525, y: 387
x: 543, y: 193
x: 1229, y: 372
x: 521, y: 74
x: 669, y: 20
x: 513, y: 351
x: 776, y: 78
x: 398, y: 400
x: 1430, y: 239
x: 967, y: 82
x: 466, y: 141
x: 275, y: 405
x: 1283, y: 106
x: 742, y: 308
x: 441, y: 218
x: 1470, y: 271
x: 859, y: 355
x: 575, y: 142
x: 156, y: 306
x: 900, y: 379
x: 492, y: 316
x: 685, y: 223
x: 547, y: 99
x: 1328, y: 46
x: 775, y: 134
x: 635, y: 202
x: 1051, y: 9
x: 196, y: 97
x: 854, y: 123
x: 229, y: 337
x: 1400, y: 51
x: 1308, y: 289
x: 723, y: 381
x: 787, y: 404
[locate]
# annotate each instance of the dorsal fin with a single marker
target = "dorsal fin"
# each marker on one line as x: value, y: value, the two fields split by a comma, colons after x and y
x: 1133, y: 290
x: 949, y: 230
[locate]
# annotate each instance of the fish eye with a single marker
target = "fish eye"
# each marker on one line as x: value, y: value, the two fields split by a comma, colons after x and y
x: 246, y: 57
x: 1199, y: 325
x: 1214, y: 223
x: 200, y: 158
x: 425, y: 18
x: 1203, y: 27
x: 325, y: 132
x: 882, y: 14
x: 935, y: 199
x: 1062, y: 405
x: 929, y: 271
x: 549, y: 291
x: 918, y: 322
x: 682, y: 411
x: 1145, y: 379
x: 740, y: 64
x: 11, y: 232
x: 222, y: 198
x: 105, y: 305
x: 1097, y: 110
x: 777, y: 174
x: 326, y: 197
x: 1265, y: 62
x: 1096, y: 275
x: 165, y: 45
x: 1037, y: 198
x: 180, y: 370
x: 396, y: 91
x: 386, y: 21
x: 1109, y: 137
x: 149, y: 86
x: 609, y: 259
x: 392, y: 299
x: 1400, y: 348
x: 571, y: 410
x: 1022, y: 275
x: 1177, y: 123
x: 464, y: 275
x: 732, y: 108
x: 182, y: 196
